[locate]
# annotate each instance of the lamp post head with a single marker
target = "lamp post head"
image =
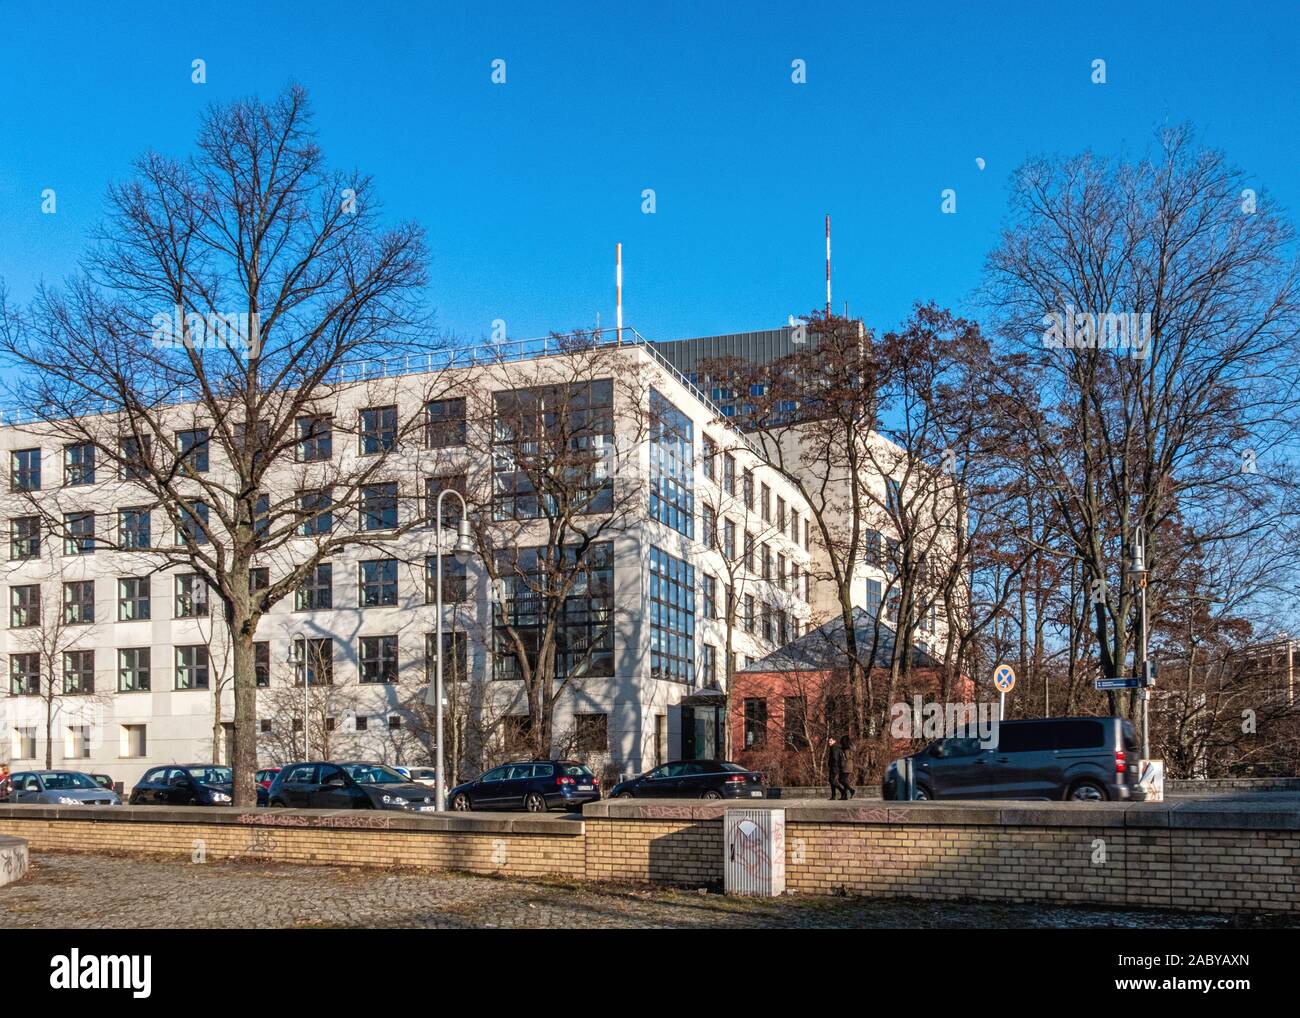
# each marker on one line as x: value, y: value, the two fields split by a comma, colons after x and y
x: 464, y: 547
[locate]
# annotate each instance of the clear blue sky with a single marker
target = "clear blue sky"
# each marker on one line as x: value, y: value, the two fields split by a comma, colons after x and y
x: 524, y: 188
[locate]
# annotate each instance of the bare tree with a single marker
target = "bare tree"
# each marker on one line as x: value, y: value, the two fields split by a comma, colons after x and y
x: 225, y: 310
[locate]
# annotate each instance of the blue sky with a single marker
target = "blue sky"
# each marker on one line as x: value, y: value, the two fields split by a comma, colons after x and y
x: 525, y: 187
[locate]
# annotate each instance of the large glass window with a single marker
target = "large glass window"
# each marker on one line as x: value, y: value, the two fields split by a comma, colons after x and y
x: 79, y: 671
x: 25, y: 674
x: 378, y: 583
x: 672, y: 617
x: 25, y: 470
x: 315, y: 510
x: 192, y: 667
x: 315, y: 438
x: 455, y: 580
x: 379, y: 506
x: 445, y: 425
x: 315, y: 656
x: 79, y: 602
x: 379, y: 659
x: 133, y: 669
x: 25, y: 537
x: 133, y: 528
x: 191, y: 596
x: 378, y: 429
x: 672, y: 466
x: 585, y: 636
x: 317, y: 590
x: 192, y: 450
x: 79, y: 464
x: 78, y: 533
x: 133, y: 598
x: 550, y: 443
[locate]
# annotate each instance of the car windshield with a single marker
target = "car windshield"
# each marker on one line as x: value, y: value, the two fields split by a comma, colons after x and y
x: 211, y: 775
x: 374, y: 774
x: 732, y: 767
x: 56, y: 781
x: 575, y: 770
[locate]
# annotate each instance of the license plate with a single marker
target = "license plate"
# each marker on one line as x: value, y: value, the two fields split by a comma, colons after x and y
x: 756, y: 795
x: 427, y: 809
x: 584, y: 788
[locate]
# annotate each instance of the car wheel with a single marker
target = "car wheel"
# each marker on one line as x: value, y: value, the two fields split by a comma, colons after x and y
x: 624, y: 795
x: 279, y: 804
x: 710, y: 793
x: 534, y: 803
x: 461, y: 803
x: 921, y: 794
x: 1087, y: 791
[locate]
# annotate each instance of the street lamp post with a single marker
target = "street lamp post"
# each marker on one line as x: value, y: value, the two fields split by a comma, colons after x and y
x: 1138, y: 570
x: 463, y: 549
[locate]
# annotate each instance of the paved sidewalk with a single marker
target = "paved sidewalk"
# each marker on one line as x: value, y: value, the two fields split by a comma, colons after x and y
x: 96, y: 891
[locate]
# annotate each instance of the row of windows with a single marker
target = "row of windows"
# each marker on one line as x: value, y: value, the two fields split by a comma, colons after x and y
x: 377, y: 662
x: 377, y: 431
x: 377, y: 587
x: 672, y: 617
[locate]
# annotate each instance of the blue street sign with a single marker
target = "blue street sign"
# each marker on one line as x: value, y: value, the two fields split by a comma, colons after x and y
x: 1118, y: 683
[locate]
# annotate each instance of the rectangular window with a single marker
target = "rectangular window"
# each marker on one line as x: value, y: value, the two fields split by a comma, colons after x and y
x: 755, y: 722
x: 749, y: 613
x: 729, y: 474
x: 767, y: 562
x: 378, y: 583
x: 78, y: 533
x: 780, y: 514
x: 315, y: 434
x: 25, y: 537
x: 259, y: 579
x: 672, y: 466
x: 435, y: 486
x: 709, y: 528
x: 133, y: 742
x: 192, y: 450
x: 191, y: 596
x: 193, y: 523
x: 378, y: 430
x: 544, y: 429
x: 379, y: 659
x: 25, y: 470
x: 892, y: 495
x: 747, y: 488
x: 79, y: 602
x: 24, y: 744
x: 78, y: 464
x: 133, y: 669
x: 709, y: 677
x: 585, y: 634
x: 780, y: 571
x: 672, y: 617
x: 455, y: 657
x: 315, y: 512
x: 445, y: 424
x: 873, y: 598
x: 796, y: 722
x: 25, y: 606
x: 76, y: 745
x: 455, y: 580
x: 136, y: 457
x: 192, y: 667
x: 315, y: 657
x: 794, y: 527
x: 25, y: 674
x: 133, y: 602
x: 710, y: 459
x: 765, y: 503
x: 710, y: 596
x: 133, y: 528
x: 78, y: 671
x: 592, y: 731
x: 766, y: 628
x: 729, y: 540
x: 317, y: 590
x: 262, y: 662
x: 379, y: 506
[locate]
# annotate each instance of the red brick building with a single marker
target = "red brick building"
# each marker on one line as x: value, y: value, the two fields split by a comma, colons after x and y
x: 782, y: 708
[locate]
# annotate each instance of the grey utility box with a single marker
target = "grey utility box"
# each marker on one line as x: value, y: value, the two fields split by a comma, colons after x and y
x: 753, y: 845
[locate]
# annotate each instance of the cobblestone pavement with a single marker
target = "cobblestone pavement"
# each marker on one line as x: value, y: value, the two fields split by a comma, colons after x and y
x: 98, y: 891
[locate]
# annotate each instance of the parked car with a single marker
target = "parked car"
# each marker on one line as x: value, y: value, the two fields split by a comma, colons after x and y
x: 424, y: 775
x: 266, y: 775
x: 60, y: 788
x: 1079, y: 759
x: 184, y: 785
x: 348, y: 785
x: 533, y: 785
x: 104, y: 781
x: 694, y: 779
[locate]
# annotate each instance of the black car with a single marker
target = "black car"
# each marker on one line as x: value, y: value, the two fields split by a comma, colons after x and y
x: 323, y: 784
x: 694, y: 779
x: 1079, y: 759
x: 184, y: 785
x: 533, y: 785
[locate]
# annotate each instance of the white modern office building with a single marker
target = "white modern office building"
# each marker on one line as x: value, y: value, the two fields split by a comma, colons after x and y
x: 116, y: 663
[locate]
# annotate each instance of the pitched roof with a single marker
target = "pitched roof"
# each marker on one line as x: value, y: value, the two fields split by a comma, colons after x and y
x: 823, y: 648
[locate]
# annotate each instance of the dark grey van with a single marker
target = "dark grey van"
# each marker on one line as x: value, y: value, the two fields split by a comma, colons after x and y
x: 1082, y: 759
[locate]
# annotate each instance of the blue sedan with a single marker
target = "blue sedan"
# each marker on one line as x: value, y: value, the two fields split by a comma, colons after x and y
x: 535, y: 786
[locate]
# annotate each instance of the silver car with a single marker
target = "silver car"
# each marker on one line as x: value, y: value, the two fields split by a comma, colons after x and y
x: 60, y: 788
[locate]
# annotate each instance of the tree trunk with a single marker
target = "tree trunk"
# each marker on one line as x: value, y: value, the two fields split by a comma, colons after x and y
x: 245, y: 677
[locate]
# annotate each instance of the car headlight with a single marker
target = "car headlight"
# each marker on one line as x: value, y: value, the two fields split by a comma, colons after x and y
x: 67, y: 801
x: 219, y: 796
x: 394, y: 800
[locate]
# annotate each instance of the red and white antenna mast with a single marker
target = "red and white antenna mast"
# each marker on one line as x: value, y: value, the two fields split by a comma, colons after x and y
x: 618, y: 293
x: 828, y: 265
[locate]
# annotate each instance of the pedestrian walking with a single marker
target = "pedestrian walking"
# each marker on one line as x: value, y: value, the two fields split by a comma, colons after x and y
x: 837, y: 765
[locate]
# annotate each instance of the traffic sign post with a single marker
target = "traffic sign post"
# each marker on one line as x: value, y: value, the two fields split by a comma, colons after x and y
x: 1004, y: 678
x: 1118, y: 683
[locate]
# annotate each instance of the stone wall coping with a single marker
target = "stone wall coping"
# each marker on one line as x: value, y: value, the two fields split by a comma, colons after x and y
x: 307, y: 819
x: 1180, y: 814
